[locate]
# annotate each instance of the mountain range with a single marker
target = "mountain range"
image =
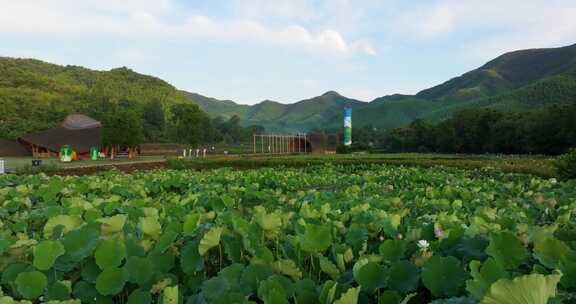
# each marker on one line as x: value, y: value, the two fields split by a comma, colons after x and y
x: 36, y: 95
x: 515, y: 81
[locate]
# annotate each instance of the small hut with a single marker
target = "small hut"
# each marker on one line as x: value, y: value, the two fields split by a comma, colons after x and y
x: 77, y: 131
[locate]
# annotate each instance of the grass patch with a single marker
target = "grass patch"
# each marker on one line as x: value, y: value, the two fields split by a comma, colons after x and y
x: 538, y: 166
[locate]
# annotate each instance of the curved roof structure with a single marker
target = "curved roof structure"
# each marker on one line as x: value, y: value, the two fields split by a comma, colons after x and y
x: 78, y: 131
x: 80, y: 122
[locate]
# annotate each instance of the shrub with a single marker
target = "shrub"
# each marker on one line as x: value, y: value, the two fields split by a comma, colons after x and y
x: 342, y: 149
x: 566, y: 165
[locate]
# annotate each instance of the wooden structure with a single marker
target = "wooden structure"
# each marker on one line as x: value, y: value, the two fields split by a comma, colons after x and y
x: 281, y: 143
x: 317, y: 143
x: 78, y: 131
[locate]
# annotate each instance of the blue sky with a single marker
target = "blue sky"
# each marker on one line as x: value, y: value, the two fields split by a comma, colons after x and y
x: 284, y: 50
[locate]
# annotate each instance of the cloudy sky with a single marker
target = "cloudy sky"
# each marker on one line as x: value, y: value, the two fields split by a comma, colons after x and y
x: 284, y: 50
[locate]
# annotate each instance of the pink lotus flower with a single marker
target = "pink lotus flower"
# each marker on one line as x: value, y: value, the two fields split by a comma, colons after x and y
x: 437, y: 231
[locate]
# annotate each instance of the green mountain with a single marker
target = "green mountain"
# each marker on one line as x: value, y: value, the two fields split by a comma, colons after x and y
x: 515, y: 81
x: 36, y: 95
x: 317, y: 112
x: 507, y: 72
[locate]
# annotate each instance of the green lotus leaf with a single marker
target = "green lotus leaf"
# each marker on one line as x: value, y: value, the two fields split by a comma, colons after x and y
x: 252, y: 275
x: 80, y: 243
x: 404, y: 277
x: 287, y: 267
x: 328, y: 267
x: 305, y: 291
x: 111, y: 281
x: 190, y: 223
x: 31, y: 284
x: 85, y: 291
x: 372, y: 276
x: 46, y: 252
x: 59, y: 291
x: 90, y: 271
x: 166, y: 240
x: 392, y: 250
x: 163, y: 262
x: 443, y: 276
x: 483, y: 277
x: 112, y: 224
x: 210, y: 240
x: 390, y: 297
x: 356, y: 237
x: 349, y: 297
x: 507, y: 250
x: 551, y: 252
x: 227, y: 280
x: 472, y: 248
x: 568, y: 269
x: 4, y: 244
x: 328, y: 293
x: 10, y: 273
x: 272, y: 292
x: 170, y: 295
x: 268, y: 221
x: 69, y: 222
x: 316, y: 238
x: 358, y: 265
x: 458, y: 300
x: 150, y: 226
x: 110, y: 253
x: 133, y: 247
x: 533, y: 289
x: 191, y: 261
x: 139, y: 297
x: 139, y: 270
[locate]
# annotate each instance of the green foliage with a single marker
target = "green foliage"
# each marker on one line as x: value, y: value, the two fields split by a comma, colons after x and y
x: 210, y: 240
x: 172, y: 236
x: 372, y: 276
x: 507, y: 250
x: 566, y: 165
x: 31, y: 284
x: 111, y: 281
x: 443, y: 276
x: 46, y: 253
x: 316, y: 238
x: 547, y: 130
x: 110, y: 253
x: 534, y: 288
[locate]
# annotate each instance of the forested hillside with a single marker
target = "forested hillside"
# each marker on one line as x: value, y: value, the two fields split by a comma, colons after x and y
x: 36, y: 95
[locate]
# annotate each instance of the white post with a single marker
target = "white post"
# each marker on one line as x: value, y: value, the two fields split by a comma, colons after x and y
x: 2, y: 169
x: 184, y: 154
x: 204, y: 153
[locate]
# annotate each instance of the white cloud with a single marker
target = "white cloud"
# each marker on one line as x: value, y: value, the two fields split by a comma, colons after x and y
x: 153, y: 19
x: 498, y: 25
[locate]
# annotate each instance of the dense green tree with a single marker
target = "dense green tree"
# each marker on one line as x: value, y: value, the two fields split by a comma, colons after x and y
x: 154, y: 121
x: 123, y: 126
x: 189, y: 124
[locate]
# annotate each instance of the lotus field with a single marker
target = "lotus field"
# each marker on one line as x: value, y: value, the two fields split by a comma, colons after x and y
x: 324, y: 234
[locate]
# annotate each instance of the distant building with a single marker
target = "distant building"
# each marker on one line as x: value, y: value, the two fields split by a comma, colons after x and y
x: 78, y: 131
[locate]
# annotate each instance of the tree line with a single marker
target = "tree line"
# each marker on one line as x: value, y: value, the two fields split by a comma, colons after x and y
x: 128, y: 124
x: 550, y: 130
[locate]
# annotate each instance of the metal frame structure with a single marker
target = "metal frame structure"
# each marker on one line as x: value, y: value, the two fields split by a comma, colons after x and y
x: 280, y: 143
